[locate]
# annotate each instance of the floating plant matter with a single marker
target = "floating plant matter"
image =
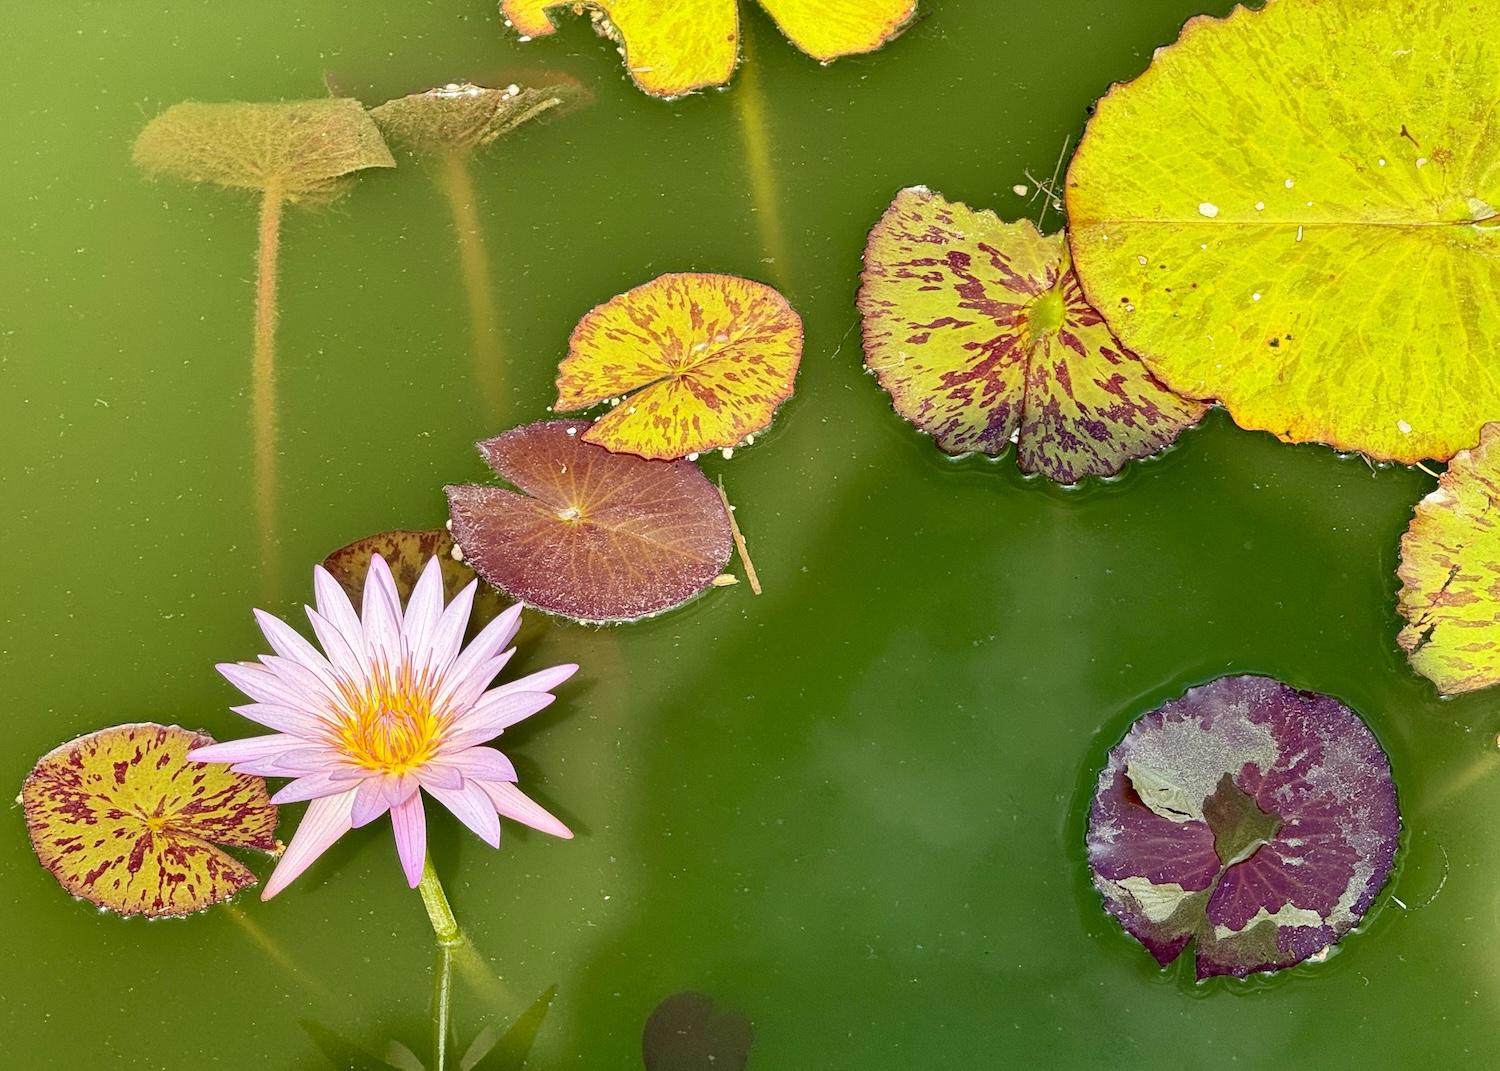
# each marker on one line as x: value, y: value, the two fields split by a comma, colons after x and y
x: 1254, y: 820
x: 447, y: 125
x: 692, y: 362
x: 300, y: 151
x: 673, y: 47
x: 1296, y: 210
x: 125, y: 819
x: 397, y: 706
x: 590, y: 534
x: 979, y: 331
x: 1450, y: 573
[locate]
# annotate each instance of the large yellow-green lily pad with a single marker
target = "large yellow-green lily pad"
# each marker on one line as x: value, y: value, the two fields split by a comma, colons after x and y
x: 1450, y: 574
x: 1294, y: 210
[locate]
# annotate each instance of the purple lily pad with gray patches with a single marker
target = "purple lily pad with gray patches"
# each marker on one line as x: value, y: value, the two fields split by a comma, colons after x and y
x: 1256, y: 821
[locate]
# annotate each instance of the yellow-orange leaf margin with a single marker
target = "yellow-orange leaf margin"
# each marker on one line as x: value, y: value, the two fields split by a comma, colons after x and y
x: 674, y: 47
x: 691, y: 362
x: 122, y: 818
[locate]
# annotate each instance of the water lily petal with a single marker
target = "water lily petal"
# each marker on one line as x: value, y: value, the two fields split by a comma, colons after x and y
x: 326, y: 820
x: 471, y: 805
x: 483, y: 723
x: 511, y: 802
x: 250, y: 749
x: 313, y: 786
x: 410, y: 824
x: 369, y: 801
x: 424, y: 609
x: 484, y: 763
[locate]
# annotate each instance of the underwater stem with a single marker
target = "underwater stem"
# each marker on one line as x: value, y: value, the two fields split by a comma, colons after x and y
x: 750, y: 102
x: 449, y: 938
x: 442, y: 1000
x: 263, y: 365
x: 484, y: 322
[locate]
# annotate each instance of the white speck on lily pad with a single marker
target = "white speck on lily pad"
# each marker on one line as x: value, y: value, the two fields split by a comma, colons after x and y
x: 1404, y: 427
x: 1208, y: 209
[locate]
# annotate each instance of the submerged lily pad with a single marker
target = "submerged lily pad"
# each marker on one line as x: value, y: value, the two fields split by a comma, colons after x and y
x: 686, y: 1032
x: 591, y: 535
x: 460, y: 117
x: 1254, y: 820
x: 299, y: 148
x: 122, y: 818
x: 980, y: 333
x: 1294, y: 210
x: 1450, y: 573
x: 673, y: 47
x: 693, y: 361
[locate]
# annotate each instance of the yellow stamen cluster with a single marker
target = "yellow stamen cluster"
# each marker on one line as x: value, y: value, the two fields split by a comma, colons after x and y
x: 388, y: 722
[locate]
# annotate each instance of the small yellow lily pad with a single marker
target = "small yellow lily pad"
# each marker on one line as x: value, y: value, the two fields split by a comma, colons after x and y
x: 692, y: 362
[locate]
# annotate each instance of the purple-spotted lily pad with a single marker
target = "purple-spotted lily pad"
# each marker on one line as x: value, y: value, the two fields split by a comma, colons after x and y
x: 979, y: 331
x: 1252, y: 819
x: 124, y: 819
x: 590, y: 534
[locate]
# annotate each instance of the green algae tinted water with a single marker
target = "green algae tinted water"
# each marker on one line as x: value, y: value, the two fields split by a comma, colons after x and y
x: 851, y: 809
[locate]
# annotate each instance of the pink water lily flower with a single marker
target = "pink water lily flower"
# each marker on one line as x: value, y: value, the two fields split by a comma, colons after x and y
x: 392, y: 707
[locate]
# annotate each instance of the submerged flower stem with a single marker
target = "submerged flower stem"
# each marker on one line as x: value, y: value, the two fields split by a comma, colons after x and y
x: 439, y: 913
x: 442, y: 998
x: 263, y: 364
x: 449, y: 939
x: 457, y: 184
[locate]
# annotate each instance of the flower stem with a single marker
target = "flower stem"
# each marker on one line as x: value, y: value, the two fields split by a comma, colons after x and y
x: 439, y: 913
x: 442, y: 998
x: 449, y: 939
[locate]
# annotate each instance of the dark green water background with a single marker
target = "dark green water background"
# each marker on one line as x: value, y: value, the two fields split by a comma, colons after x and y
x: 852, y: 808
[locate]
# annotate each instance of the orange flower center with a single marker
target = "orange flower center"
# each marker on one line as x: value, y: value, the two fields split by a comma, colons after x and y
x: 389, y: 724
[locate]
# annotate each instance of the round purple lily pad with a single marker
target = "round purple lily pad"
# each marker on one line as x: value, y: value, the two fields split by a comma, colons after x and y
x: 1255, y: 820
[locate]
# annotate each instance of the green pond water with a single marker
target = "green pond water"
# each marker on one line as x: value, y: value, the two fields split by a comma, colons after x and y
x: 851, y: 809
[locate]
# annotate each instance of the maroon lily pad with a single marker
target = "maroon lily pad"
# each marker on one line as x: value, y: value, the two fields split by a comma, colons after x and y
x: 590, y: 534
x: 1255, y: 820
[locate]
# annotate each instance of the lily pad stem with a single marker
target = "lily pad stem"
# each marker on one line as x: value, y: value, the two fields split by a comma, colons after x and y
x: 263, y: 365
x: 457, y: 183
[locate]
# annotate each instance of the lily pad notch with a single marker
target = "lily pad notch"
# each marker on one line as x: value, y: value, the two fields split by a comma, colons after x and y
x: 1247, y: 818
